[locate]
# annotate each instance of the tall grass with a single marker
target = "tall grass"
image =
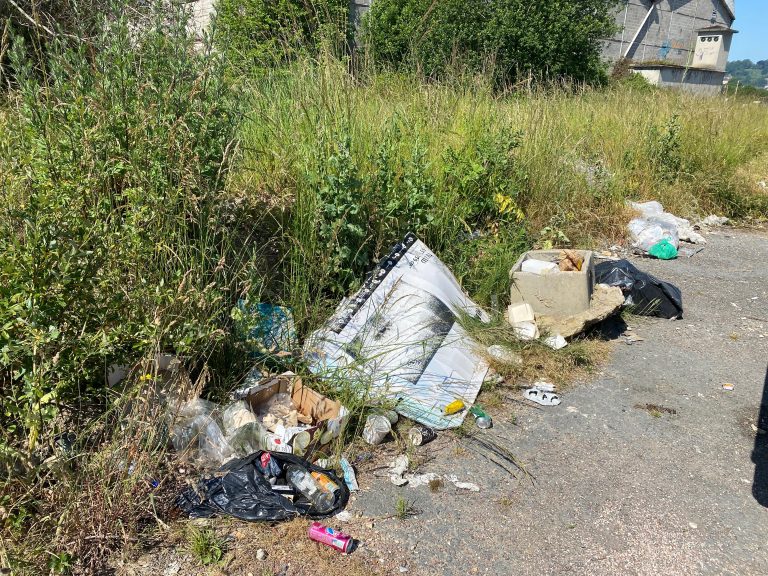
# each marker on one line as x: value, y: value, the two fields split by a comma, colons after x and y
x: 443, y: 158
x: 144, y: 193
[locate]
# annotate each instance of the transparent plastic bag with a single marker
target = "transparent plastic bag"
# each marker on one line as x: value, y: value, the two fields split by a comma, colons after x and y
x: 248, y: 439
x: 197, y: 434
x: 236, y: 415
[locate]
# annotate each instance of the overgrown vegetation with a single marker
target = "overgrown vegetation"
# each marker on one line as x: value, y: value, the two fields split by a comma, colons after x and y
x: 748, y: 73
x: 147, y: 188
x: 260, y: 34
x: 506, y: 39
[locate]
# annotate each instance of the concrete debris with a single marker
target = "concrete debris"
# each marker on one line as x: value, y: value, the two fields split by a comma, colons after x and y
x: 520, y: 312
x: 558, y: 293
x: 713, y: 220
x: 606, y: 301
x: 526, y: 330
x: 504, y: 355
x: 398, y: 476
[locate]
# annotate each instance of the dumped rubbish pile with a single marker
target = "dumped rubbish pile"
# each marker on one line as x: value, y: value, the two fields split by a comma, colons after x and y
x: 266, y: 486
x: 399, y: 336
x: 277, y: 413
x: 659, y: 234
x: 555, y: 291
x: 400, y: 339
x: 563, y: 293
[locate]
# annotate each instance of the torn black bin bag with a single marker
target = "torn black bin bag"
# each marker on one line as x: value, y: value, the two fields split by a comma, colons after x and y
x: 240, y: 489
x: 646, y: 294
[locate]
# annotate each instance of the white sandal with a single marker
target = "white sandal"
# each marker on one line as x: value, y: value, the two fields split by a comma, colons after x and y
x: 542, y: 397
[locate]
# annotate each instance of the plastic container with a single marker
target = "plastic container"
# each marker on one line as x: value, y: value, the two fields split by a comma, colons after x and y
x: 302, y: 480
x: 454, y: 407
x: 325, y: 483
x: 249, y: 439
x: 330, y: 537
x: 540, y: 267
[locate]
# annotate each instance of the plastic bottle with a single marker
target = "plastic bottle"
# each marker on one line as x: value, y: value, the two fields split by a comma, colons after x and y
x: 302, y: 480
x: 325, y: 483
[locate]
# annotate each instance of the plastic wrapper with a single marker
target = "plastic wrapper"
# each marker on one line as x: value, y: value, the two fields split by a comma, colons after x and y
x: 202, y: 440
x: 647, y: 232
x: 240, y: 489
x: 248, y: 439
x: 646, y: 294
x: 236, y: 415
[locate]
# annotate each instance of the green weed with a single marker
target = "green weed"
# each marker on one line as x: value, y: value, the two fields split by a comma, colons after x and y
x: 404, y: 508
x: 205, y: 545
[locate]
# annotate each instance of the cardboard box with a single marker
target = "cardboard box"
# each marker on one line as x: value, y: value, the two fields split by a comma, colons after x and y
x: 327, y: 416
x: 557, y: 294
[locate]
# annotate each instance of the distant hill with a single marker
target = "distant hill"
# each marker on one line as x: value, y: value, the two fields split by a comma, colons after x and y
x: 749, y: 73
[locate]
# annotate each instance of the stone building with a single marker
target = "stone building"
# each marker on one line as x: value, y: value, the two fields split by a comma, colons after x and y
x: 676, y: 43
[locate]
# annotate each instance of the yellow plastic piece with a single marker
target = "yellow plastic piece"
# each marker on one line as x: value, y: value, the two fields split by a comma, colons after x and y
x: 454, y: 407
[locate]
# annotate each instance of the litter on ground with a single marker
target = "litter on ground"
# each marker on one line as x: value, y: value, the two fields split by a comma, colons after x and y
x: 542, y: 393
x: 400, y: 336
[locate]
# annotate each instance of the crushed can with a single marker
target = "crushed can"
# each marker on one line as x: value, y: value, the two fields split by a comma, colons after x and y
x: 330, y: 537
x: 420, y: 435
x: 481, y: 418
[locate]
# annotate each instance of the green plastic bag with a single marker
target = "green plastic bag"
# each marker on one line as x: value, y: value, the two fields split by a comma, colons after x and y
x: 663, y: 250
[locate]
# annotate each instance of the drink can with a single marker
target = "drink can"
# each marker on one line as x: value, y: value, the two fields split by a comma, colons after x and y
x: 376, y: 428
x: 330, y: 537
x: 420, y: 435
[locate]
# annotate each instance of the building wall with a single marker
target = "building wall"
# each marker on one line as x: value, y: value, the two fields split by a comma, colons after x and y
x: 202, y: 12
x: 357, y: 9
x: 670, y: 32
x: 705, y: 82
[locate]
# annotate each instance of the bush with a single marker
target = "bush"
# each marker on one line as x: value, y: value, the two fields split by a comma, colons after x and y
x: 264, y: 33
x: 117, y: 241
x: 510, y: 37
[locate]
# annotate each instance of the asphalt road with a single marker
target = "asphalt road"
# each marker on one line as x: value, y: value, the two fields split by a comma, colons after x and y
x: 619, y: 490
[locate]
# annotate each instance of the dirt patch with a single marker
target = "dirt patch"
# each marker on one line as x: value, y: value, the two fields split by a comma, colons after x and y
x: 655, y: 409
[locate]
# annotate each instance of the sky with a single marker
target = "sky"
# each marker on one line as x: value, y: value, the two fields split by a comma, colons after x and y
x: 751, y: 42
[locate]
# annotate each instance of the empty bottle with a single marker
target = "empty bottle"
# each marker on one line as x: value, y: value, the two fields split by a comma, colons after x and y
x: 302, y: 480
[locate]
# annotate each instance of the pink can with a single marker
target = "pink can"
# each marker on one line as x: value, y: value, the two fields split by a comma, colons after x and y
x: 330, y: 537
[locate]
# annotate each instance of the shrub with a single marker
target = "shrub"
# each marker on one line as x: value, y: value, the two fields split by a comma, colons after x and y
x: 511, y: 37
x: 264, y: 33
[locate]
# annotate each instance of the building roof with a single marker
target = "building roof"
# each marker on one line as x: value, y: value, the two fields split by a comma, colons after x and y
x: 717, y: 28
x: 730, y: 6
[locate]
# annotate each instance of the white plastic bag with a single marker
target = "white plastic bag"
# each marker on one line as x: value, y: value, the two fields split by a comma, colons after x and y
x: 236, y: 415
x: 646, y: 232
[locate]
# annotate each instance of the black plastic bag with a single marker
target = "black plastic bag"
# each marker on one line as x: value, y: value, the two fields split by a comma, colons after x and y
x: 647, y: 295
x: 240, y: 489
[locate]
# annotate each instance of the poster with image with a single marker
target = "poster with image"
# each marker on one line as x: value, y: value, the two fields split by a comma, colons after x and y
x: 399, y: 337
